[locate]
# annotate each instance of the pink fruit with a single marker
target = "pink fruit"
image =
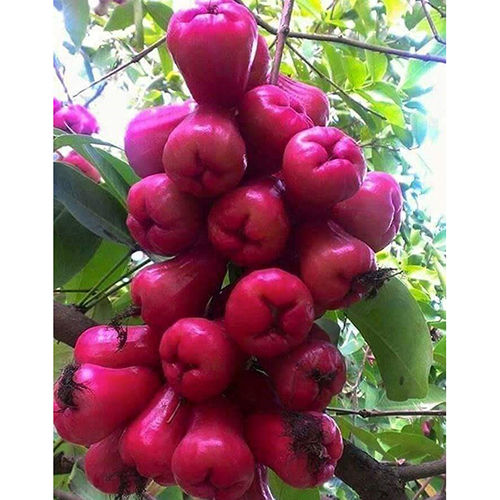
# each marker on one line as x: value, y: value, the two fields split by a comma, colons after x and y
x: 150, y: 440
x: 205, y: 154
x: 92, y: 401
x: 261, y: 66
x: 147, y: 134
x: 162, y: 219
x: 213, y: 45
x: 373, y: 214
x: 76, y: 119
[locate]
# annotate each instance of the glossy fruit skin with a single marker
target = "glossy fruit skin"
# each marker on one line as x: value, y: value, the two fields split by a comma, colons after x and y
x: 259, y: 490
x: 249, y: 225
x: 149, y: 442
x: 205, y: 154
x: 100, y: 345
x: 269, y: 312
x: 322, y: 166
x: 108, y: 399
x: 106, y: 470
x: 85, y: 167
x: 314, y: 100
x: 261, y: 65
x: 269, y: 117
x: 213, y: 45
x: 309, y: 376
x: 77, y: 119
x: 213, y: 461
x: 330, y: 261
x: 373, y: 214
x: 178, y: 288
x: 162, y: 219
x: 199, y: 360
x: 57, y: 104
x: 253, y: 391
x: 147, y: 133
x: 271, y: 439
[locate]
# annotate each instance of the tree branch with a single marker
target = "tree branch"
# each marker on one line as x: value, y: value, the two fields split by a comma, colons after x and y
x: 431, y: 23
x: 61, y: 78
x: 284, y: 29
x: 420, y: 471
x: 69, y: 323
x: 389, y: 413
x: 133, y: 60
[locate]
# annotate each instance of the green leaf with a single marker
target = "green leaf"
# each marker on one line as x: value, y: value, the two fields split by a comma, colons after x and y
x: 334, y: 58
x: 76, y: 19
x: 332, y: 328
x: 366, y: 437
x: 377, y: 64
x: 392, y: 112
x: 62, y: 139
x: 170, y: 493
x: 355, y: 70
x: 440, y: 352
x: 416, y: 69
x: 83, y: 489
x: 395, y: 329
x: 122, y: 17
x: 419, y: 127
x: 281, y: 490
x: 167, y: 65
x: 395, y: 9
x: 410, y: 446
x: 90, y: 204
x: 74, y: 245
x: 160, y: 13
x: 435, y: 397
x: 63, y: 354
x: 106, y: 256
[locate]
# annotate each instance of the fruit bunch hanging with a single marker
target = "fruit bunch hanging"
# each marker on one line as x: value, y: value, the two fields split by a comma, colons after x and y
x: 221, y: 383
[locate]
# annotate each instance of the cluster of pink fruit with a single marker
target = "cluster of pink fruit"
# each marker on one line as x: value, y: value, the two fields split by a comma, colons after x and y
x: 220, y: 384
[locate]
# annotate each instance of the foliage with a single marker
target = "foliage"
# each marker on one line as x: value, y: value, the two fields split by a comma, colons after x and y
x: 375, y: 98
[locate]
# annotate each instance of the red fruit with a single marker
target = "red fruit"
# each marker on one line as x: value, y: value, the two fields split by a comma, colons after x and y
x: 259, y: 490
x: 162, y: 219
x: 373, y: 214
x: 77, y: 119
x: 332, y: 264
x: 91, y: 401
x: 213, y: 45
x: 198, y: 359
x: 269, y: 312
x: 309, y: 376
x: 104, y: 346
x: 205, y: 154
x: 150, y: 440
x: 269, y: 117
x: 301, y: 448
x: 106, y: 470
x: 213, y: 461
x: 85, y: 167
x: 322, y: 166
x: 261, y: 66
x: 314, y: 100
x: 249, y: 225
x: 317, y: 333
x: 176, y: 288
x: 253, y: 391
x: 147, y: 134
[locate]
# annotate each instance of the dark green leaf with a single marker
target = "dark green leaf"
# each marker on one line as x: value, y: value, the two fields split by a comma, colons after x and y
x: 91, y: 204
x: 160, y: 12
x: 74, y: 140
x: 330, y: 327
x: 76, y: 19
x: 410, y: 446
x: 397, y: 333
x: 281, y: 490
x: 122, y: 17
x: 74, y: 246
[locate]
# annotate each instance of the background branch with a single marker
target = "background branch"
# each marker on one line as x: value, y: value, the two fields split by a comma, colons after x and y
x: 426, y: 469
x: 431, y: 23
x: 284, y: 29
x: 69, y: 323
x: 388, y: 413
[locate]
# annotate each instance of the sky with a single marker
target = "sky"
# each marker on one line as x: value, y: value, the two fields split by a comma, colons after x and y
x: 113, y: 112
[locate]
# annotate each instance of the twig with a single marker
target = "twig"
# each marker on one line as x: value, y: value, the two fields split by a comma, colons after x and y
x: 133, y: 60
x: 360, y: 375
x: 338, y: 88
x: 441, y: 12
x: 426, y: 469
x: 284, y: 29
x: 97, y: 93
x: 431, y: 23
x: 61, y: 79
x: 387, y: 413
